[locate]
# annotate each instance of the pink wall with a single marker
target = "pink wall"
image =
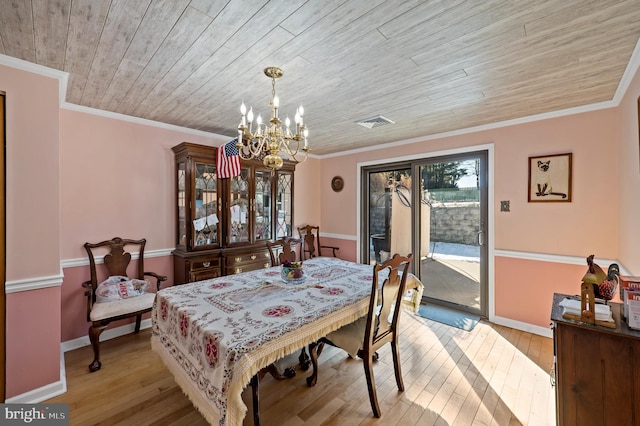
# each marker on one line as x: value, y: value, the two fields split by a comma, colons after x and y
x: 346, y: 248
x: 32, y: 229
x: 588, y: 224
x: 306, y: 187
x: 557, y: 228
x: 32, y: 169
x: 33, y: 340
x: 524, y: 288
x: 117, y: 179
x: 629, y: 183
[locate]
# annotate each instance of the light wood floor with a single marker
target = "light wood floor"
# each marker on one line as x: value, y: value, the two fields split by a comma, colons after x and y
x: 491, y: 376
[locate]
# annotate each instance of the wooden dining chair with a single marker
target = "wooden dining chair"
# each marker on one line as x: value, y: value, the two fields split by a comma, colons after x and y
x: 283, y: 249
x: 310, y: 236
x: 116, y: 262
x: 381, y: 326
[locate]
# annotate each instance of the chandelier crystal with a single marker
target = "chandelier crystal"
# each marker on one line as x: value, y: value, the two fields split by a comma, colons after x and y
x: 270, y: 140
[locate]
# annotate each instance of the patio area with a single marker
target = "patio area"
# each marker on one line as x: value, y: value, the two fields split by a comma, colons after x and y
x: 451, y: 272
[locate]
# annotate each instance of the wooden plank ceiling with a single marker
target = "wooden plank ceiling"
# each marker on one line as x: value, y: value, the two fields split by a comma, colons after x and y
x: 430, y: 66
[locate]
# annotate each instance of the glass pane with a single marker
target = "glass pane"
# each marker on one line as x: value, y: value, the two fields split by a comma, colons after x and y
x: 389, y: 214
x: 239, y: 208
x: 450, y: 253
x: 182, y: 220
x: 263, y: 205
x: 285, y: 195
x: 205, y: 219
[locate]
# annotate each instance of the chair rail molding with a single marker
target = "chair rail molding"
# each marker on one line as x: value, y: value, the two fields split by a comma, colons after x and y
x: 36, y: 283
x: 339, y: 236
x: 556, y: 258
x: 84, y: 261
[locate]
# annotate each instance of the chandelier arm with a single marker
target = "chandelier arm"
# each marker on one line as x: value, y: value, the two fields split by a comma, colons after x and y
x: 288, y: 147
x: 259, y: 144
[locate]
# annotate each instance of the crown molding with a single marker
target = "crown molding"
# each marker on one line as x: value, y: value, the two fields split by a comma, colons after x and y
x: 143, y: 121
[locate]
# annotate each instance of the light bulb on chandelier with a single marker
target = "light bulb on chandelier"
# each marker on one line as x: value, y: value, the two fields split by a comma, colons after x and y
x: 268, y: 140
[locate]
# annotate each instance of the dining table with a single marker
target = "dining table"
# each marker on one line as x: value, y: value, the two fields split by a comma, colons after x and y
x: 216, y: 335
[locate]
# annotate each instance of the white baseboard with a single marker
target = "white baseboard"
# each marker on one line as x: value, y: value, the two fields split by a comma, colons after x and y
x: 522, y: 326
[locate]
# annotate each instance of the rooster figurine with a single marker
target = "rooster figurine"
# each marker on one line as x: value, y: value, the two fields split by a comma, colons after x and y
x: 608, y: 287
x: 604, y: 284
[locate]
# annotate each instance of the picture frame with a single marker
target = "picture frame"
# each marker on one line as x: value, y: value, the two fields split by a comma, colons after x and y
x: 550, y: 178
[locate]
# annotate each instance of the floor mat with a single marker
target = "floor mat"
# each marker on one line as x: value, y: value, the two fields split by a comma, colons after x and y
x: 461, y: 320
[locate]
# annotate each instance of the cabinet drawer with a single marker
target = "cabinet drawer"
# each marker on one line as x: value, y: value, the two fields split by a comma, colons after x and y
x: 204, y: 262
x: 204, y: 274
x: 260, y: 257
x: 246, y: 267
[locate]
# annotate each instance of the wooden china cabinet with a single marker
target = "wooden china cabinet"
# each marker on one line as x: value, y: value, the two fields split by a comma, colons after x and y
x: 223, y: 223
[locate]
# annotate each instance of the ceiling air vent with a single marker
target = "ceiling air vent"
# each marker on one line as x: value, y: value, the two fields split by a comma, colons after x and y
x: 376, y: 121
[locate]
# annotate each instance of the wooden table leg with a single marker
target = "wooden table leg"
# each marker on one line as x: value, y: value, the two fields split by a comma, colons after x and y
x: 256, y: 403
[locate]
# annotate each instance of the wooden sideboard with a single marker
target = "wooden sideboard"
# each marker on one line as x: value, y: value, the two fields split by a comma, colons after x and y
x: 597, y: 370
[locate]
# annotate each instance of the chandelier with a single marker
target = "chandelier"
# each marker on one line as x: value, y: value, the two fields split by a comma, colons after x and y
x: 270, y: 140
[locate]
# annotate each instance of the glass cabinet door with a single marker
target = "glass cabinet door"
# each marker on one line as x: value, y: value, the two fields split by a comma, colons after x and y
x: 284, y: 204
x: 182, y: 214
x: 263, y: 208
x: 239, y: 207
x: 205, y: 216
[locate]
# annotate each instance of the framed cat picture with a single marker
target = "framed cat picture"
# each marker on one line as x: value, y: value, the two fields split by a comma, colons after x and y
x: 550, y: 178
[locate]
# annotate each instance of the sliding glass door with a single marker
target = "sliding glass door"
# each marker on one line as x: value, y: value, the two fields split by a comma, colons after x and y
x: 435, y: 208
x: 453, y: 260
x: 389, y: 218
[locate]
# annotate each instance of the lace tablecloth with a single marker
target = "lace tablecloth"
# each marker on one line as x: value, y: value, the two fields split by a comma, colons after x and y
x: 214, y: 335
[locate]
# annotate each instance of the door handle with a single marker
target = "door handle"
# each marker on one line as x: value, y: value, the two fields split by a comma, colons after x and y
x: 480, y: 238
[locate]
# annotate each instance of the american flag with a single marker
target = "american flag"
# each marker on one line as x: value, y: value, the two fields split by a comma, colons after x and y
x: 228, y: 159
